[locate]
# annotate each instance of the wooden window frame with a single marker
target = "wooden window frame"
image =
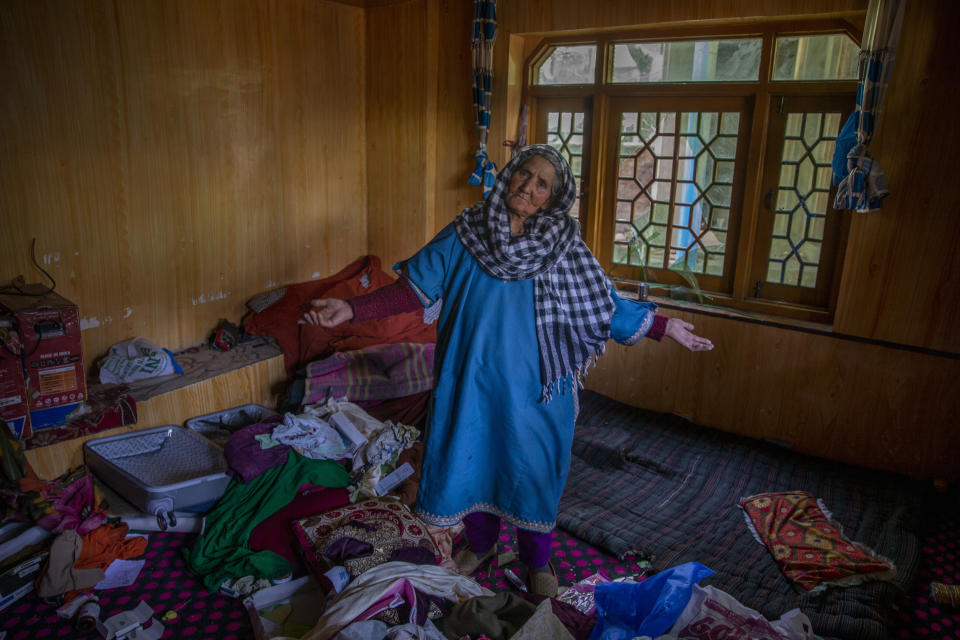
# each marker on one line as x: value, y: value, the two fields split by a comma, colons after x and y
x: 760, y: 97
x: 539, y: 126
x: 831, y: 254
x: 604, y: 251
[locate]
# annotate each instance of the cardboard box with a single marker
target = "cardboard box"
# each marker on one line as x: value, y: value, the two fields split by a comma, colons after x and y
x: 47, y: 332
x: 55, y: 416
x: 13, y: 394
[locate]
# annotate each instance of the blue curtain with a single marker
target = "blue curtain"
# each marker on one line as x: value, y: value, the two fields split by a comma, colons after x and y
x: 481, y: 45
x: 862, y: 183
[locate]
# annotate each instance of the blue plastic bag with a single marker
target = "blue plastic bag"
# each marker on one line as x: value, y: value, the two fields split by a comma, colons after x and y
x: 626, y: 610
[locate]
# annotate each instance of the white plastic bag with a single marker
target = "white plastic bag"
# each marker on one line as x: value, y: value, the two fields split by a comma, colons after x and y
x: 136, y: 359
x: 712, y: 613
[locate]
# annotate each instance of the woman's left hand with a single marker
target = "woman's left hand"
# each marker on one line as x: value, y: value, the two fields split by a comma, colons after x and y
x: 682, y: 332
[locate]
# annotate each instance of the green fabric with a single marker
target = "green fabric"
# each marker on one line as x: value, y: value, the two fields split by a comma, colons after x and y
x: 221, y: 551
x: 13, y: 463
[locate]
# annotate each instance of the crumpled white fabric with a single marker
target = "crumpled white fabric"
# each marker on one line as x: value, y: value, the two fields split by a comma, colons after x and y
x: 378, y: 455
x: 362, y: 421
x: 310, y: 437
x: 372, y: 584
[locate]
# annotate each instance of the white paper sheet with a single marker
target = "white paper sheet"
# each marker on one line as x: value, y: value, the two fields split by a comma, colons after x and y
x: 121, y: 573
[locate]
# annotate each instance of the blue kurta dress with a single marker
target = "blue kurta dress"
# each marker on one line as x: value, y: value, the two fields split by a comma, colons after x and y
x: 490, y: 444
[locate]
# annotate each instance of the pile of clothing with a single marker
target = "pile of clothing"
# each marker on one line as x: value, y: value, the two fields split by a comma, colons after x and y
x: 55, y: 536
x: 318, y: 497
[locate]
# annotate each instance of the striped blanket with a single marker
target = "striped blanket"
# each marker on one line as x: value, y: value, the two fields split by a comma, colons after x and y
x: 371, y: 374
x: 661, y: 488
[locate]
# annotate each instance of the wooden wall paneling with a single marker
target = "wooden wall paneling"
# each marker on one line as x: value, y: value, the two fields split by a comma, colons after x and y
x: 432, y: 133
x: 737, y: 361
x: 174, y: 159
x: 63, y: 155
x: 317, y: 194
x: 845, y: 400
x: 538, y: 16
x: 264, y: 177
x: 901, y: 279
x: 256, y: 383
x: 398, y: 93
x: 456, y: 135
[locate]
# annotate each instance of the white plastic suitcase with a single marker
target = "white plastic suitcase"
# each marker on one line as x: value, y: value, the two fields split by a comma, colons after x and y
x: 160, y: 469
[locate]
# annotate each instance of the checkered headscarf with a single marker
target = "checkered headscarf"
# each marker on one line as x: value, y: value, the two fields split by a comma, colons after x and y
x: 571, y: 292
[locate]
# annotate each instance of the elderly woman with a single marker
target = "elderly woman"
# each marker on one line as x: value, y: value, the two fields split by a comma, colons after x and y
x: 525, y: 310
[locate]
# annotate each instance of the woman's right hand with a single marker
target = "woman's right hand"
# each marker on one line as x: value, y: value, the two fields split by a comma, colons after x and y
x: 328, y: 312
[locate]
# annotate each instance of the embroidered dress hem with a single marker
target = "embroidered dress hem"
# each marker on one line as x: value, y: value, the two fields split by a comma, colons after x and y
x: 642, y: 331
x: 433, y: 519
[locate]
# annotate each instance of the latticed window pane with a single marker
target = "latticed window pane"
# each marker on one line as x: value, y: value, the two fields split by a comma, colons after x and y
x: 674, y: 189
x: 687, y: 61
x: 822, y: 57
x: 565, y: 133
x: 803, y: 197
x: 568, y: 65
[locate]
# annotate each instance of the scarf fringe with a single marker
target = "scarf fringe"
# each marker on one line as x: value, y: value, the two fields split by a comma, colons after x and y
x: 579, y: 375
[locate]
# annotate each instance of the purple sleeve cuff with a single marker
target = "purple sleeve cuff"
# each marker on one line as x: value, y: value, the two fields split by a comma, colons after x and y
x: 659, y: 328
x: 390, y: 300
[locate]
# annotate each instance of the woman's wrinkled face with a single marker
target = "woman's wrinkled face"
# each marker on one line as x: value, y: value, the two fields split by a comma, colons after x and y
x: 530, y: 186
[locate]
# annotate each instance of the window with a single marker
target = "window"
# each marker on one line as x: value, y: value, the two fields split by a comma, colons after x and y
x: 564, y: 128
x: 710, y: 158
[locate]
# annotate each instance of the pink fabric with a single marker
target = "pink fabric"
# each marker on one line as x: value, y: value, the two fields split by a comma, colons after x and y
x: 392, y: 299
x: 276, y: 533
x: 72, y: 507
x: 400, y: 592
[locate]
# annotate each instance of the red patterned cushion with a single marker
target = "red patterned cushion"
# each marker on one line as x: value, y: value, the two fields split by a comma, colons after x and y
x: 363, y: 535
x: 808, y: 544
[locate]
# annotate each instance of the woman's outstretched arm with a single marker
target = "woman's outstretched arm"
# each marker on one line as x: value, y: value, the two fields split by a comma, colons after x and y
x: 390, y: 300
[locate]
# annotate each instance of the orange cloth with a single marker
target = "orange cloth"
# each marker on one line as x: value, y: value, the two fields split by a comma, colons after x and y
x: 105, y: 544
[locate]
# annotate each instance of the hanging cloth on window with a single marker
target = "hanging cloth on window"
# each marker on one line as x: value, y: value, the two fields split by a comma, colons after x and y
x: 481, y: 46
x: 523, y: 124
x: 863, y: 184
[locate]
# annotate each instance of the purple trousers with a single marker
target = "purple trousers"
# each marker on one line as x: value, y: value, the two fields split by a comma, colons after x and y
x: 483, y: 529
